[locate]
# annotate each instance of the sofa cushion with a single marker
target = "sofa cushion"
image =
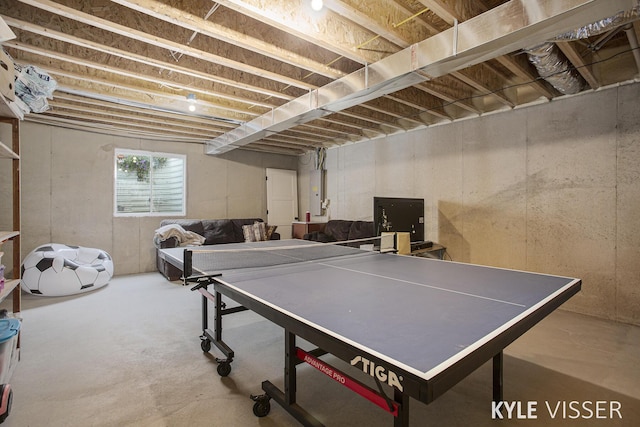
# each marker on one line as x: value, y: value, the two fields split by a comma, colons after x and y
x: 319, y: 236
x: 218, y: 231
x: 338, y: 229
x: 361, y: 230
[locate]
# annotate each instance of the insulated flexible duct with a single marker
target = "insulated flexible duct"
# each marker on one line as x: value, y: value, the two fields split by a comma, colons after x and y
x: 553, y: 66
x: 601, y: 26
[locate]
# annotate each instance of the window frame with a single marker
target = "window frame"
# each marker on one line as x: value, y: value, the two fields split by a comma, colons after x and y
x: 145, y: 153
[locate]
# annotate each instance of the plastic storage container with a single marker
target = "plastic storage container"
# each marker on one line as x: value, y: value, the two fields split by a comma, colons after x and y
x: 9, y: 329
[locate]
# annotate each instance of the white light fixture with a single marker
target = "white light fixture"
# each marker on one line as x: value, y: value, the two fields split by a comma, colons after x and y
x: 316, y: 5
x: 191, y: 98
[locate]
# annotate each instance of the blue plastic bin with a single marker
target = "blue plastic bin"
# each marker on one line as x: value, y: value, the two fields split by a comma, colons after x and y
x: 9, y: 329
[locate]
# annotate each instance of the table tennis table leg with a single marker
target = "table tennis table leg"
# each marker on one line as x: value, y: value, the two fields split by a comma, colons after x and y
x: 205, y: 314
x: 217, y: 329
x: 286, y: 399
x: 497, y: 377
x: 208, y: 336
x: 402, y: 399
x: 290, y: 378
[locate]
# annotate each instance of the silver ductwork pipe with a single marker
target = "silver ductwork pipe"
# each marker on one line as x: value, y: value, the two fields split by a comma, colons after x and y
x: 602, y: 26
x: 499, y: 31
x: 553, y: 66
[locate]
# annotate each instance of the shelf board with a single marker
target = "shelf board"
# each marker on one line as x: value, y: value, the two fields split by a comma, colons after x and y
x: 7, y: 152
x: 9, y: 286
x: 5, y: 32
x: 9, y: 109
x: 6, y: 235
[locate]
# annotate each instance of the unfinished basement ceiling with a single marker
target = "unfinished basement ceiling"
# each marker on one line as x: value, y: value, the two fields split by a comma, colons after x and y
x: 129, y: 66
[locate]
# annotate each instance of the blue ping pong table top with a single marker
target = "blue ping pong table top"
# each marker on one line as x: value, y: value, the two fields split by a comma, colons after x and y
x: 419, y: 314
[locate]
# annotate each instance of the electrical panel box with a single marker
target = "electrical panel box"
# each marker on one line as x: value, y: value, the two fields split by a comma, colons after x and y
x: 316, y: 192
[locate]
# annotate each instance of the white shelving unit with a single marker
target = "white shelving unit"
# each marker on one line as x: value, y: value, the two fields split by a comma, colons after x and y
x: 10, y: 115
x: 10, y: 158
x: 9, y: 109
x: 11, y: 284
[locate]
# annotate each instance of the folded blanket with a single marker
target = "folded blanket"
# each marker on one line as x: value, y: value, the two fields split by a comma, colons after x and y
x: 185, y: 238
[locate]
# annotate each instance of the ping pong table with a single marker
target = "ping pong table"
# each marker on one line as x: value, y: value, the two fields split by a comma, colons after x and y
x: 416, y: 326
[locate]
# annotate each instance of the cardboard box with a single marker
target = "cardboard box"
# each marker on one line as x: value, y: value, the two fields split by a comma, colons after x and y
x: 7, y: 76
x: 402, y: 242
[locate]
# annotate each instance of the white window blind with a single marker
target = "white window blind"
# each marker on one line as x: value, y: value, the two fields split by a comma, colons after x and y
x: 149, y: 183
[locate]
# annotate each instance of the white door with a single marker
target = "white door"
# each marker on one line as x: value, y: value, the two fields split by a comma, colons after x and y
x: 282, y: 200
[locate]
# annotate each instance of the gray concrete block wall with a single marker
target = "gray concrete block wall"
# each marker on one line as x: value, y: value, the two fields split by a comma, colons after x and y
x: 551, y: 188
x: 67, y: 191
x: 627, y: 231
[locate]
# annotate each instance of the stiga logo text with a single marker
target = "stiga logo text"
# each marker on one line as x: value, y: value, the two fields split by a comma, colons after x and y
x: 379, y: 372
x: 565, y: 410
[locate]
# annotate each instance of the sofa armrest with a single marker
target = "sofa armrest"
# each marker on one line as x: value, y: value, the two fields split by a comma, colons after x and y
x: 166, y: 268
x: 171, y: 242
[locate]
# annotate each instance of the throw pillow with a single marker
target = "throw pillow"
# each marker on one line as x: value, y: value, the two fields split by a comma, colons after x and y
x: 258, y: 232
x: 270, y: 230
x: 249, y: 235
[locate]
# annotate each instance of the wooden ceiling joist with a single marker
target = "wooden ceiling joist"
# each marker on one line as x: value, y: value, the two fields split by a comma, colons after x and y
x: 126, y: 67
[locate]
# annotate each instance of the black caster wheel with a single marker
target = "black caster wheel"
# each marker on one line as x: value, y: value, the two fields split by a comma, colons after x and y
x: 261, y: 408
x: 205, y: 345
x: 224, y: 369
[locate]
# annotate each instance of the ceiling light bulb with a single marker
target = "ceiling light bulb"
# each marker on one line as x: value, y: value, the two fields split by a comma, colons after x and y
x: 316, y: 5
x: 191, y: 98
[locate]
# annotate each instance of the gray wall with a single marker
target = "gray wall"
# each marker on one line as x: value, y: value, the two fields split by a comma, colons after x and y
x: 67, y: 191
x: 551, y: 188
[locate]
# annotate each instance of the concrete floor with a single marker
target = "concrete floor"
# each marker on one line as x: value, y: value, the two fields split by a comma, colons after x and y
x: 129, y: 355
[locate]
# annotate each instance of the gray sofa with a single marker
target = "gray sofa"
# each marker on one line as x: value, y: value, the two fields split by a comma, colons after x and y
x: 215, y: 232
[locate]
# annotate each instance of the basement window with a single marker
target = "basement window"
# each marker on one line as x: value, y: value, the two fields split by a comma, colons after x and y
x: 149, y: 184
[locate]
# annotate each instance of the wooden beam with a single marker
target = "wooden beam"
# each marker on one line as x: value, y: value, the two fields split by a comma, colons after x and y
x: 175, y: 16
x: 579, y: 63
x: 70, y: 13
x: 140, y: 59
x: 328, y: 30
x: 525, y: 74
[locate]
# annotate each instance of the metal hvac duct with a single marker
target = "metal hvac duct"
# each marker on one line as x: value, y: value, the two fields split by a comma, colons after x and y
x: 504, y: 29
x: 602, y: 26
x: 553, y: 66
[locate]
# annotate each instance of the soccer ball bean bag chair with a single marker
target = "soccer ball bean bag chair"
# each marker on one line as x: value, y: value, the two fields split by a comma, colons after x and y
x: 55, y: 270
